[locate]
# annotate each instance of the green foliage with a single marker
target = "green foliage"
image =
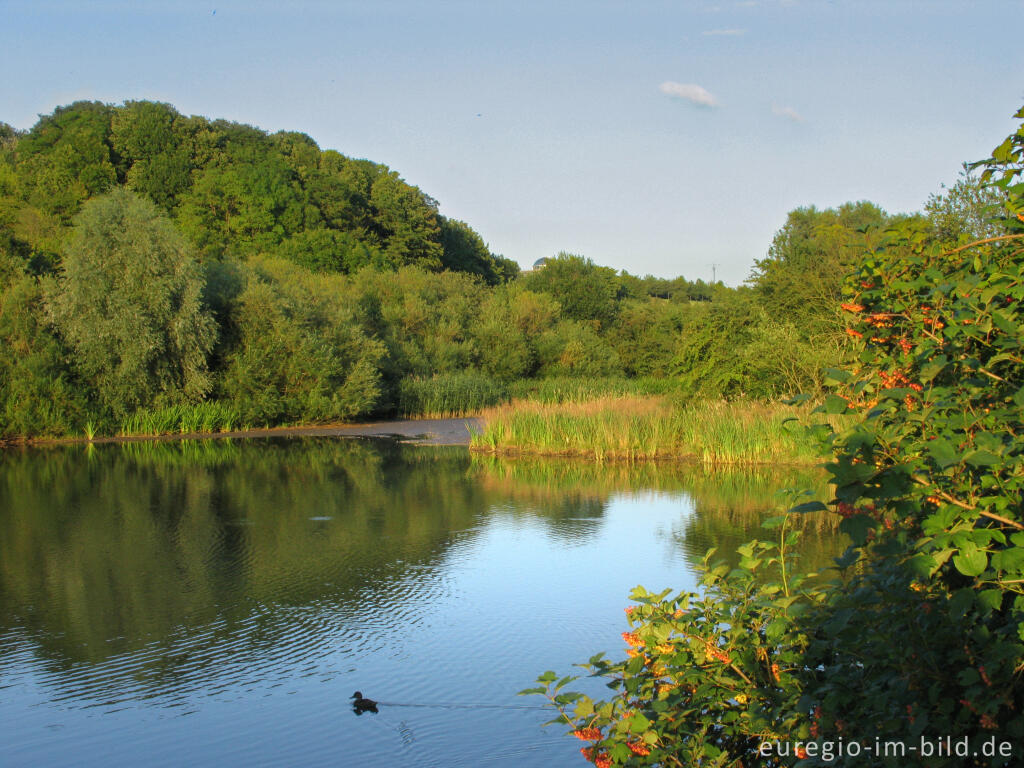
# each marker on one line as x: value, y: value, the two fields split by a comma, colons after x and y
x: 129, y: 306
x: 800, y: 280
x: 423, y: 319
x: 646, y: 336
x: 967, y: 211
x: 453, y: 394
x: 465, y: 251
x: 211, y: 416
x: 586, y: 292
x: 572, y: 348
x: 153, y: 150
x: 631, y: 427
x: 38, y: 394
x: 294, y: 351
x: 66, y: 158
x: 407, y: 221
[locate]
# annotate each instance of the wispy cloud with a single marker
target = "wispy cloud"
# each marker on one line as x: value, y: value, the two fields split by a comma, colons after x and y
x: 690, y: 92
x: 724, y: 32
x: 787, y: 112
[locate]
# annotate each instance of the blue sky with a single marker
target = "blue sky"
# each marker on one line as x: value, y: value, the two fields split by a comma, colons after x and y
x: 659, y: 137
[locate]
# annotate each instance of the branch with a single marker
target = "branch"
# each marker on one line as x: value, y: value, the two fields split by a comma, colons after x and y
x: 964, y: 505
x: 982, y: 242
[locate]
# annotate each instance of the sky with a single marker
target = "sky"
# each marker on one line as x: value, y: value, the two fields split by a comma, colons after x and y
x: 664, y: 138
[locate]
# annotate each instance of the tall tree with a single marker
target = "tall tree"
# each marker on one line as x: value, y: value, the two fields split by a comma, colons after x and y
x: 801, y: 277
x: 588, y: 293
x: 129, y: 305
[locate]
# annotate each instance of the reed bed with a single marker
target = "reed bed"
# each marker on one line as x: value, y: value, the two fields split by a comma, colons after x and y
x: 185, y: 419
x: 635, y: 428
x: 448, y: 395
x: 579, y: 390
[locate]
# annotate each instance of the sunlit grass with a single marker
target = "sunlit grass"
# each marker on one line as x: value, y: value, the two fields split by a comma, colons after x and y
x: 448, y: 395
x: 636, y: 427
x: 184, y: 419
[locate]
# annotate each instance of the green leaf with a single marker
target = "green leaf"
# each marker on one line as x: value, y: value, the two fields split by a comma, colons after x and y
x: 809, y: 506
x: 584, y: 707
x: 971, y: 561
x: 638, y: 723
x: 932, y: 369
x: 1018, y: 398
x: 531, y: 691
x: 1011, y: 560
x: 835, y: 376
x: 990, y: 600
x: 1004, y: 151
x: 773, y: 522
x: 835, y: 404
x: 981, y: 458
x: 943, y: 452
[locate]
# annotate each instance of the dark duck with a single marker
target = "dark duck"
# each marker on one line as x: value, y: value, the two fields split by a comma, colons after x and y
x: 360, y: 704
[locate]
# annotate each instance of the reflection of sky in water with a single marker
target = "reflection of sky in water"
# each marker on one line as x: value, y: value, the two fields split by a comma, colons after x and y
x: 443, y: 629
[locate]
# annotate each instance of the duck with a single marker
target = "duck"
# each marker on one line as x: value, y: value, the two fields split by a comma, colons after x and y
x: 360, y: 704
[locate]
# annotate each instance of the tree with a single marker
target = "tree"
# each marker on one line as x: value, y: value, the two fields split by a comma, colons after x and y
x: 155, y: 157
x: 966, y: 211
x: 465, y: 251
x: 407, y: 222
x: 588, y: 293
x: 66, y: 158
x: 129, y: 306
x: 801, y: 277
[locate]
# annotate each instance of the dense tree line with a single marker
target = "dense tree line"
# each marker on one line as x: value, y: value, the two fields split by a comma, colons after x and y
x: 149, y: 259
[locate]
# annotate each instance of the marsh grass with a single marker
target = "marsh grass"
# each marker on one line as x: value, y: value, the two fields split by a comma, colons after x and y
x: 185, y: 419
x: 448, y: 395
x: 578, y: 390
x: 639, y: 428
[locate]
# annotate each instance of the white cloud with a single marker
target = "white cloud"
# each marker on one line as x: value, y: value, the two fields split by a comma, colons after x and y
x: 724, y: 32
x: 787, y: 112
x: 690, y: 92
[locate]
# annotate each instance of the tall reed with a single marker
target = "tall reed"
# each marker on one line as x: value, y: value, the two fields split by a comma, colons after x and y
x: 205, y: 417
x: 632, y: 428
x: 454, y: 394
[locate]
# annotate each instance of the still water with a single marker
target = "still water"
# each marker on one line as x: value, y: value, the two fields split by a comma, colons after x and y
x: 217, y: 603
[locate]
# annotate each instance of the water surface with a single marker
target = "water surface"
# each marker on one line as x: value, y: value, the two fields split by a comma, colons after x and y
x: 217, y: 602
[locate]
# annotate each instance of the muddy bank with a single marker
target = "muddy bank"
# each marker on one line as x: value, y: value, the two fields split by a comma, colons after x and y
x: 421, y: 431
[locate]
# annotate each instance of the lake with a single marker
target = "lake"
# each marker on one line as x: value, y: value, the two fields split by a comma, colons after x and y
x: 217, y: 602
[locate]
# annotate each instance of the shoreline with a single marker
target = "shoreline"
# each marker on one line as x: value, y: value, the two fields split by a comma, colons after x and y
x: 627, y: 458
x: 449, y: 431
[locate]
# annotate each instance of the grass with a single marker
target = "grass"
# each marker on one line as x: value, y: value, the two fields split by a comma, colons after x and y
x: 579, y: 390
x: 185, y: 419
x: 461, y: 394
x: 635, y: 427
x: 447, y: 395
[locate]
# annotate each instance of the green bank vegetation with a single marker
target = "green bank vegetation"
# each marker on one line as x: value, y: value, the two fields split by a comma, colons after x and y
x: 653, y: 427
x: 161, y: 271
x: 915, y: 634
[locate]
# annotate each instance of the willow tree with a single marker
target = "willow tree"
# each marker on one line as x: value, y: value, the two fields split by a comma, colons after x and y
x: 129, y: 304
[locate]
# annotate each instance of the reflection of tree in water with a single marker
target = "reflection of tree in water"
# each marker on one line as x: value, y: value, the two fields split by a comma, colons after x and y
x: 200, y: 560
x: 729, y: 506
x: 729, y: 503
x: 110, y: 551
